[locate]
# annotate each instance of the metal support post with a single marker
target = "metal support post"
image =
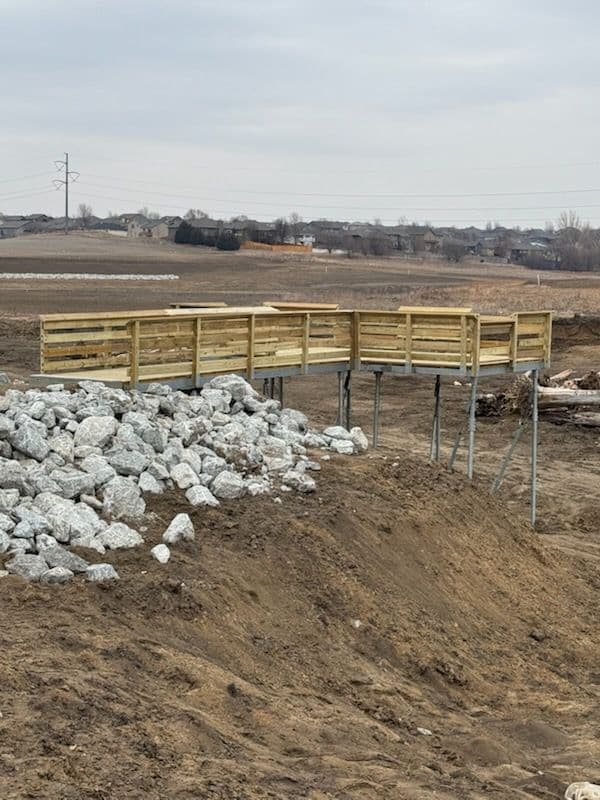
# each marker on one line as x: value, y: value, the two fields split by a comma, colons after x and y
x: 534, y: 445
x: 272, y: 388
x: 348, y: 399
x: 376, y: 407
x: 455, y: 447
x: 472, y: 406
x: 507, y: 458
x: 340, y: 412
x: 434, y: 451
x: 280, y: 390
x: 265, y: 390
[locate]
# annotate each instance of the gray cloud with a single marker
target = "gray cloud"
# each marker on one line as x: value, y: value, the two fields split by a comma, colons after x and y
x: 291, y: 97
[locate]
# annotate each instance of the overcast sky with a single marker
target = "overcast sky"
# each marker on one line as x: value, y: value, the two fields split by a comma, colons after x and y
x: 348, y: 109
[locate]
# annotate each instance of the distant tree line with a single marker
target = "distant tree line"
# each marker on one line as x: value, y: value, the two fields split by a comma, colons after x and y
x: 222, y: 240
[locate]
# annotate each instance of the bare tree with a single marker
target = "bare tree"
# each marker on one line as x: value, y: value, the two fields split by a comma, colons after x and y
x: 148, y: 214
x: 503, y: 245
x: 568, y: 219
x: 454, y: 250
x: 195, y: 213
x: 295, y: 225
x: 331, y: 240
x: 576, y: 245
x: 85, y: 214
x: 281, y: 230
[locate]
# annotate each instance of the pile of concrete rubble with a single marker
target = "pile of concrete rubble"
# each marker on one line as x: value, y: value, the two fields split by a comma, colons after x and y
x: 75, y: 466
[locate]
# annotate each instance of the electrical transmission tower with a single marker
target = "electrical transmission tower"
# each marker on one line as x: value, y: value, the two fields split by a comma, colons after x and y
x: 70, y: 177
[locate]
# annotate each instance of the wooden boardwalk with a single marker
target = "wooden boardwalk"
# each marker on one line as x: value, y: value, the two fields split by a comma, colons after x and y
x: 187, y: 346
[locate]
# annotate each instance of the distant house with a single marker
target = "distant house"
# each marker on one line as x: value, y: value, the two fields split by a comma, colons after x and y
x: 424, y: 239
x: 399, y: 237
x: 208, y: 228
x: 165, y: 228
x: 9, y: 229
x: 137, y: 226
x: 38, y: 218
x: 110, y: 224
x: 125, y: 219
x: 532, y: 249
x: 302, y: 234
x: 261, y: 232
x: 412, y: 238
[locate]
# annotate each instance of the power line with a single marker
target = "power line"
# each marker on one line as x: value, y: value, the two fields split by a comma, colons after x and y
x: 70, y: 177
x: 18, y: 195
x: 370, y: 209
x: 272, y: 214
x: 367, y: 195
x: 400, y: 161
x: 25, y: 177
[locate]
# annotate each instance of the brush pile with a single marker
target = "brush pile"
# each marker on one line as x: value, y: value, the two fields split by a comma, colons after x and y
x: 562, y: 398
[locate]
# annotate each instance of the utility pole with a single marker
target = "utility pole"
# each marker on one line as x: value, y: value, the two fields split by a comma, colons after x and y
x: 70, y: 177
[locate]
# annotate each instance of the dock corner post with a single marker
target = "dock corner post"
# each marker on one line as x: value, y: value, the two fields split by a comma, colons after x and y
x: 42, y: 346
x: 472, y: 423
x: 280, y: 390
x: 251, y: 337
x: 377, y: 407
x: 534, y: 445
x: 196, y: 351
x: 134, y: 353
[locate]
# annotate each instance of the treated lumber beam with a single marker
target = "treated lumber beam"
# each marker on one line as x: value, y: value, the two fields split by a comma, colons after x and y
x: 299, y: 306
x: 199, y: 304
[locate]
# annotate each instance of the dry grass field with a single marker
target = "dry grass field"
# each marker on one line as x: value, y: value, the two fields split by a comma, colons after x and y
x: 237, y: 674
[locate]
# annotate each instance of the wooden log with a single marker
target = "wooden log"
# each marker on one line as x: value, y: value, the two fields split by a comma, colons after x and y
x: 561, y: 377
x: 558, y: 397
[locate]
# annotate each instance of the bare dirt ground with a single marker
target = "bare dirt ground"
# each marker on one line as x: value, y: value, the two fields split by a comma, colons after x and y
x: 236, y: 672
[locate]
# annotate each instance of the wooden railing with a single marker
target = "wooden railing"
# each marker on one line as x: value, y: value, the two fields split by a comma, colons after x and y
x: 140, y: 347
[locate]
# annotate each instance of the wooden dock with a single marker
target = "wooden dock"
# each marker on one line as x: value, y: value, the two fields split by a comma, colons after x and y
x: 187, y: 346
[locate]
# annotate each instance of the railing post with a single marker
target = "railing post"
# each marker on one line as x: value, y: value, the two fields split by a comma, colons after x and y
x: 134, y: 353
x: 251, y: 334
x: 305, y: 343
x: 514, y: 342
x: 408, y: 343
x: 463, y: 344
x: 42, y: 346
x: 196, y: 351
x: 355, y: 354
x: 548, y: 339
x: 476, y: 344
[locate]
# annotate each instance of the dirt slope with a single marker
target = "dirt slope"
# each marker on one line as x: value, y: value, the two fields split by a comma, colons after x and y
x: 237, y: 670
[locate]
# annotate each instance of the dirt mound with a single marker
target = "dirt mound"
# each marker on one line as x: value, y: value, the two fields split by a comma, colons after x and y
x: 398, y: 634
